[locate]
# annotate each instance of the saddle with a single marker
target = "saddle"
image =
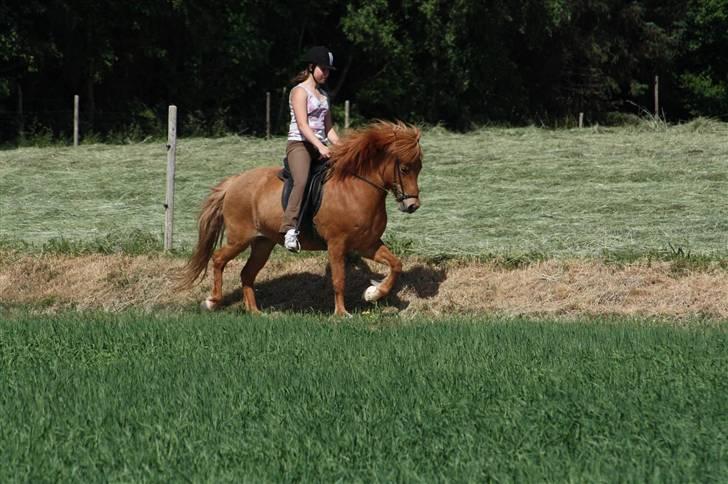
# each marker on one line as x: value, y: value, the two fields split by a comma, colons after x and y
x: 317, y: 176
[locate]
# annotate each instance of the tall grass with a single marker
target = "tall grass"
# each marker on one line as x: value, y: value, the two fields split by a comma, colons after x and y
x: 494, y: 192
x: 130, y: 397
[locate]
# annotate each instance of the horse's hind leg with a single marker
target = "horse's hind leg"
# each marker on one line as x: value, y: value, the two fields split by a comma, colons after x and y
x: 381, y: 253
x: 220, y: 258
x: 260, y: 250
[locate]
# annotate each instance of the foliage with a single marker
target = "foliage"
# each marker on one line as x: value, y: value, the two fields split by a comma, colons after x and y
x: 704, y: 73
x: 457, y: 63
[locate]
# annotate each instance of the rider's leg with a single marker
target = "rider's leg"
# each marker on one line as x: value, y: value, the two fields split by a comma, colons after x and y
x: 299, y: 162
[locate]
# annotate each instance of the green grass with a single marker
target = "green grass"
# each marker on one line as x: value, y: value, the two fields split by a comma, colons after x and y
x: 493, y: 192
x: 227, y: 397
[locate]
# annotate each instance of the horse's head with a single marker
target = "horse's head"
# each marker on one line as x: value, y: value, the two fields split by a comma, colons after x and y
x: 405, y: 159
x: 385, y: 155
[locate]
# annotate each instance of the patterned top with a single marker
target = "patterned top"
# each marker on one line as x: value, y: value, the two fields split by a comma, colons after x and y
x: 316, y: 109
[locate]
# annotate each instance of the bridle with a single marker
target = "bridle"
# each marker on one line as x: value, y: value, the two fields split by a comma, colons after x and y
x: 399, y: 195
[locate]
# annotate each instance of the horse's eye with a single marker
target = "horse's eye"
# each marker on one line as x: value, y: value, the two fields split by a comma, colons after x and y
x: 404, y: 169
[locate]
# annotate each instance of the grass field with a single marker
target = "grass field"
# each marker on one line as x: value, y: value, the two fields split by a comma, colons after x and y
x: 392, y: 394
x: 495, y: 191
x: 176, y: 397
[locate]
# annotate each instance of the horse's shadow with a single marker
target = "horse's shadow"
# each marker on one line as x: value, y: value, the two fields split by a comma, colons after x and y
x: 309, y: 292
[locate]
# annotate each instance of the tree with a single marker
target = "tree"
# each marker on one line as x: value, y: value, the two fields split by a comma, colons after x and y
x: 703, y: 63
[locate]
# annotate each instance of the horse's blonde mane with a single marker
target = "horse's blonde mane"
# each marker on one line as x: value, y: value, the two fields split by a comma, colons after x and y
x: 362, y: 151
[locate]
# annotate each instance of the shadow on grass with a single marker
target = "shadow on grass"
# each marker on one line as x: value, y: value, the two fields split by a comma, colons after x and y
x: 309, y: 292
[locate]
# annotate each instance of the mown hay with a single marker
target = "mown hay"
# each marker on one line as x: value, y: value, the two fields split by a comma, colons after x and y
x: 552, y: 287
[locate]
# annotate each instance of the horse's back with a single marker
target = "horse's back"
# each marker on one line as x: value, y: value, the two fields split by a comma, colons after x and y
x: 253, y: 180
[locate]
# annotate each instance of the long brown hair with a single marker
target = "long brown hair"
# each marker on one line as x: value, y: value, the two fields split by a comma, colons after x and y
x: 302, y: 75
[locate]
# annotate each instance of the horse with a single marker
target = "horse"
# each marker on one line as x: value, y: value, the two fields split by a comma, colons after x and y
x: 364, y: 167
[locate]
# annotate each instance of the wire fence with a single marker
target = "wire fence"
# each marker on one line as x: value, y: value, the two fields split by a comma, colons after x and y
x: 56, y: 123
x: 59, y: 125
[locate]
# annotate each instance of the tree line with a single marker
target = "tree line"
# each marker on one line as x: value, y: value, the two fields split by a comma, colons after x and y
x: 459, y: 63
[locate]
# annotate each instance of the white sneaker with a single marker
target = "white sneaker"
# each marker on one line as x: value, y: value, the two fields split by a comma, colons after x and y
x: 290, y: 241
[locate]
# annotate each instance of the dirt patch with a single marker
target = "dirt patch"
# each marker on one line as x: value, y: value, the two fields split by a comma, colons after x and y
x: 555, y: 287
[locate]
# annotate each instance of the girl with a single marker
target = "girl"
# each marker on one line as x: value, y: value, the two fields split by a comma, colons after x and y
x: 310, y: 128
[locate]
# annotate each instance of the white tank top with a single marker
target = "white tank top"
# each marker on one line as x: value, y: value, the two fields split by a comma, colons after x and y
x: 316, y: 110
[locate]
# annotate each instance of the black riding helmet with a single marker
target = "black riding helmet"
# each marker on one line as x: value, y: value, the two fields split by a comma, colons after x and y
x: 320, y: 56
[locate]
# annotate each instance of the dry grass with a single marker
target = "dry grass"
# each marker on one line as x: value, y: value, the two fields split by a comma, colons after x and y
x: 554, y: 287
x: 493, y: 191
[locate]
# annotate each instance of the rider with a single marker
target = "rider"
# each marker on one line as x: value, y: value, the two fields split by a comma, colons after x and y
x: 310, y: 130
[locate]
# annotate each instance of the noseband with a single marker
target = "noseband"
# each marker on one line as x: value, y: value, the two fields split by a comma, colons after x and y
x: 399, y: 195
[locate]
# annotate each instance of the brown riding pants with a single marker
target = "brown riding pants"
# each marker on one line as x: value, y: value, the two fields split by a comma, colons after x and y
x: 300, y: 156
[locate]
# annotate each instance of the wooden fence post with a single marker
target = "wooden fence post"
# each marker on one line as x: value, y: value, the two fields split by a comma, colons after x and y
x: 346, y: 114
x: 171, y: 162
x: 281, y: 107
x: 75, y: 120
x: 581, y: 120
x: 657, y: 96
x: 21, y: 119
x: 267, y: 115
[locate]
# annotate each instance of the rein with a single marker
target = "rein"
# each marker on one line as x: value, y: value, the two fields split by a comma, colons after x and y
x: 399, y: 195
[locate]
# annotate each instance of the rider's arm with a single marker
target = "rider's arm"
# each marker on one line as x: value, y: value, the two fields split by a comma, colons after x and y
x: 330, y: 131
x: 299, y: 100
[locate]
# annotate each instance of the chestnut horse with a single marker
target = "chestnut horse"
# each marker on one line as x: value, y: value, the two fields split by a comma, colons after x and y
x: 365, y: 166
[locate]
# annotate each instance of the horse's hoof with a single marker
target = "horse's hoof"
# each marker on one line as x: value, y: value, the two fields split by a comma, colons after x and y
x: 207, y: 305
x: 372, y: 294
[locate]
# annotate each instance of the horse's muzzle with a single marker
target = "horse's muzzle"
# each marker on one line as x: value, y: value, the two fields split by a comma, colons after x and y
x: 410, y: 205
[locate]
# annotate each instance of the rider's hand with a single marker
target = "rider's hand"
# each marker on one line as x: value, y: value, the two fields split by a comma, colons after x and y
x: 325, y: 152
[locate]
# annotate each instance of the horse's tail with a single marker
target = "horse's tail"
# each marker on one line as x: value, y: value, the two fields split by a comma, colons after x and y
x: 211, y: 225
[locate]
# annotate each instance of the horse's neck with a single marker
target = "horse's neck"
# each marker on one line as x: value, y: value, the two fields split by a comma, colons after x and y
x: 360, y: 193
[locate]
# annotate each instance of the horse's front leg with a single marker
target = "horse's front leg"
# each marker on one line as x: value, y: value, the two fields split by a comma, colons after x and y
x: 381, y: 253
x: 337, y: 261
